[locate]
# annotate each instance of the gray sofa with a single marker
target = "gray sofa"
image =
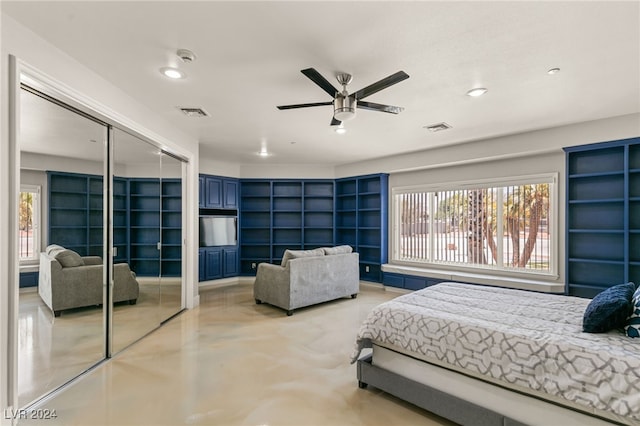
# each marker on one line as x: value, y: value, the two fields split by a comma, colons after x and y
x: 67, y: 280
x: 308, y: 277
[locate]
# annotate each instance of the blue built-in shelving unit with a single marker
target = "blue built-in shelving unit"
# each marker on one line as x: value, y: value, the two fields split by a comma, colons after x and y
x: 146, y: 211
x: 602, y: 216
x: 361, y: 220
x: 280, y: 214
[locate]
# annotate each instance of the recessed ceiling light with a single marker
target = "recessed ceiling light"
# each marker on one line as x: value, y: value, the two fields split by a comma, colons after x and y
x: 263, y: 151
x: 553, y: 71
x: 173, y: 73
x: 478, y: 91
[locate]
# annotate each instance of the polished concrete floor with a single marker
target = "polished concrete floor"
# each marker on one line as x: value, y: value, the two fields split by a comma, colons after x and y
x: 232, y: 362
x: 51, y: 350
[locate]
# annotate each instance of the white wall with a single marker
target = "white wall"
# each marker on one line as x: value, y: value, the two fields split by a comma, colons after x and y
x: 292, y: 171
x: 67, y: 76
x: 211, y: 166
x: 518, y: 145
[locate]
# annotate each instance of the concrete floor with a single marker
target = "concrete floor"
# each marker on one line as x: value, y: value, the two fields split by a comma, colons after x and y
x: 232, y: 362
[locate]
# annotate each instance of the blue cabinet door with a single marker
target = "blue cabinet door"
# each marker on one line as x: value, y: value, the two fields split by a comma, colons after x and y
x: 230, y: 193
x: 212, y: 192
x: 218, y: 192
x: 213, y: 268
x: 201, y: 191
x: 202, y: 264
x: 230, y: 257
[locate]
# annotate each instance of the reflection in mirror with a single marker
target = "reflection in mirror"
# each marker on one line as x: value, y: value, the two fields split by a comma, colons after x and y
x: 171, y: 222
x: 151, y: 229
x: 60, y: 316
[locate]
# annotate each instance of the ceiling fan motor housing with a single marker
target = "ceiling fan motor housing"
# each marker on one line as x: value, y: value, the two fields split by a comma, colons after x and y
x: 344, y: 107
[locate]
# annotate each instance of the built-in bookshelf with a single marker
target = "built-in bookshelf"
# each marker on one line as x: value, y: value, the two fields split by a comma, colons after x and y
x: 361, y: 220
x: 147, y: 216
x: 602, y: 216
x: 276, y: 215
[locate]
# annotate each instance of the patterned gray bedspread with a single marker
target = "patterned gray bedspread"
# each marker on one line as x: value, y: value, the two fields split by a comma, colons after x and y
x: 527, y: 341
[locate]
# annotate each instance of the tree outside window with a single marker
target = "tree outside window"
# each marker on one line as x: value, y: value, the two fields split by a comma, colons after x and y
x: 502, y: 227
x: 29, y: 223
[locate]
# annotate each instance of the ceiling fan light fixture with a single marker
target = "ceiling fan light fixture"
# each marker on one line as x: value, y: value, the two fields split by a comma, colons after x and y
x: 344, y: 108
x: 477, y: 91
x: 341, y: 130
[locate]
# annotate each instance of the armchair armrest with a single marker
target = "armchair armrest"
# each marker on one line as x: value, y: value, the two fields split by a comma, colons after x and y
x: 272, y: 284
x: 269, y: 273
x: 92, y: 260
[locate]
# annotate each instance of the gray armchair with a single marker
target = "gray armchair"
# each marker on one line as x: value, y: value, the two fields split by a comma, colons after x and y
x: 67, y: 280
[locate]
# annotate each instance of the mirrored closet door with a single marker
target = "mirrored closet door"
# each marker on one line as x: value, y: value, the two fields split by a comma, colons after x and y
x: 151, y: 229
x: 102, y: 235
x: 171, y: 289
x: 60, y: 313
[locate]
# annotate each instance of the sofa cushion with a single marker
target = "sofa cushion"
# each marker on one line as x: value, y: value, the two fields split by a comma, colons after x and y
x: 69, y: 258
x: 52, y: 249
x: 337, y: 250
x: 296, y: 254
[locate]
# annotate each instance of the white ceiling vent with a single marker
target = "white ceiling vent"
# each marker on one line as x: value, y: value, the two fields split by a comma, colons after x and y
x: 437, y: 127
x: 193, y: 112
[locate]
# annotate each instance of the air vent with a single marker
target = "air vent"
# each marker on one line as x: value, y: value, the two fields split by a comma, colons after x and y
x: 437, y: 127
x: 194, y: 112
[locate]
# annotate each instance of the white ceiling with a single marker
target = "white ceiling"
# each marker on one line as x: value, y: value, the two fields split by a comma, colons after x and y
x: 249, y: 57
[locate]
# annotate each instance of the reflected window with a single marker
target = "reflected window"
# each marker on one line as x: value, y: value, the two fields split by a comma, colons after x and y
x: 29, y: 223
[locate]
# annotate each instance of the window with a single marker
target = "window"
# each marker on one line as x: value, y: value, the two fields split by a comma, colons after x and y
x: 29, y: 223
x: 502, y: 225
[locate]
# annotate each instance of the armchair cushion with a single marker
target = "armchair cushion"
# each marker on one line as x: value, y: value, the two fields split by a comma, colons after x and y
x: 68, y: 258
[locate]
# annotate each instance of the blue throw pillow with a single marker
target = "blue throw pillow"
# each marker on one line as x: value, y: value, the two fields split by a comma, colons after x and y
x: 609, y: 309
x: 633, y: 322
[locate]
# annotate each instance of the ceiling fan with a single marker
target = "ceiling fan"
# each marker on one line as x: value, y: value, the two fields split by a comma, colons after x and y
x: 344, y: 104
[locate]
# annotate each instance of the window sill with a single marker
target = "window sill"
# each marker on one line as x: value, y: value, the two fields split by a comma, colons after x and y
x: 29, y: 267
x: 476, y: 278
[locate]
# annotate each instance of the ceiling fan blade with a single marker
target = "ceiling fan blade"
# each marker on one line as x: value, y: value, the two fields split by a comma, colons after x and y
x: 382, y: 84
x: 379, y: 107
x: 305, y: 105
x: 335, y: 122
x: 318, y: 79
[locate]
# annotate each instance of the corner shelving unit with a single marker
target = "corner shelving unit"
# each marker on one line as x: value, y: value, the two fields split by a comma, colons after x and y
x: 361, y: 220
x: 255, y: 224
x: 603, y: 210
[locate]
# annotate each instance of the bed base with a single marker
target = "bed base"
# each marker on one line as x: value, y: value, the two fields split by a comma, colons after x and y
x: 431, y: 399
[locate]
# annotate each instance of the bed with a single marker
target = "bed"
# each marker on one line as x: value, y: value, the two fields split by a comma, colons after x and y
x: 485, y: 355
